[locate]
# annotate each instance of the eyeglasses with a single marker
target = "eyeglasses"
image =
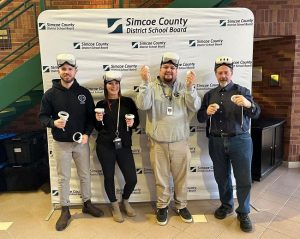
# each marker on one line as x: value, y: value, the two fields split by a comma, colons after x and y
x: 66, y: 59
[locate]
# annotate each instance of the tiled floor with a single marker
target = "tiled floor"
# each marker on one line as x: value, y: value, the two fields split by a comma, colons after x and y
x: 275, y: 214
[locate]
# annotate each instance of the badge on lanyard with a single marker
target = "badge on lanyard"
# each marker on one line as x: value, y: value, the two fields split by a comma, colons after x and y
x: 169, y: 110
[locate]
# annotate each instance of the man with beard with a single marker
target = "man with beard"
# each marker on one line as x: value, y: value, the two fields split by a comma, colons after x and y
x: 227, y: 109
x: 67, y: 96
x: 169, y: 103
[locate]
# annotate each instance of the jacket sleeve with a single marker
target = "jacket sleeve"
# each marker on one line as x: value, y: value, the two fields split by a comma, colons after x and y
x: 252, y: 112
x: 144, y: 97
x: 202, y: 115
x: 192, y: 99
x: 46, y: 111
x: 90, y: 114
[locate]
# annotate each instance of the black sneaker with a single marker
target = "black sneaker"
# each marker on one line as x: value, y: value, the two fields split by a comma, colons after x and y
x: 162, y: 216
x: 222, y: 212
x: 185, y: 215
x: 245, y: 222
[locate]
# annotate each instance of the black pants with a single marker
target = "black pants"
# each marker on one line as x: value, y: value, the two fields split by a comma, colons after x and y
x: 108, y: 156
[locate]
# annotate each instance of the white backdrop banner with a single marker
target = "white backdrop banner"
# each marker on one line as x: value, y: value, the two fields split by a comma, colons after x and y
x: 124, y: 40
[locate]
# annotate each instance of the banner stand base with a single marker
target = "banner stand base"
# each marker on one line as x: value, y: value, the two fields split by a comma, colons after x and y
x: 54, y: 207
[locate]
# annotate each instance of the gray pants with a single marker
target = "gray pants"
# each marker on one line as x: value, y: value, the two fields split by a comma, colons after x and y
x: 170, y: 159
x: 64, y: 152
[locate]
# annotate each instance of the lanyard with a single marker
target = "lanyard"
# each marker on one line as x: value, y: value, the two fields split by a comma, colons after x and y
x: 164, y: 92
x: 117, y: 130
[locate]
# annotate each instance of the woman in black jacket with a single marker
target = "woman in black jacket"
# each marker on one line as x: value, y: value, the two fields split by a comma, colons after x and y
x: 114, y: 141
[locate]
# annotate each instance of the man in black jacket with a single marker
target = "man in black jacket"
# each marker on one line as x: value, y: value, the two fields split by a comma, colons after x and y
x: 227, y: 109
x: 68, y: 108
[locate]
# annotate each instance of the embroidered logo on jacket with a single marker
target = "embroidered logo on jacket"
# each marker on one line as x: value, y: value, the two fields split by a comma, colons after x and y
x: 82, y: 99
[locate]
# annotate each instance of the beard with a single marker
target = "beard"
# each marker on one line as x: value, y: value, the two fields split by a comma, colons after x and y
x: 67, y: 78
x: 168, y: 78
x: 224, y: 82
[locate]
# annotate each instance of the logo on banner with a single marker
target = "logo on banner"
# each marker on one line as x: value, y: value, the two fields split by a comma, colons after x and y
x: 42, y: 26
x: 148, y: 44
x: 198, y: 169
x: 147, y: 26
x: 192, y: 43
x: 192, y: 189
x: 106, y: 68
x: 76, y: 45
x: 120, y: 67
x: 90, y: 45
x: 197, y: 128
x: 96, y: 172
x: 223, y: 23
x: 135, y: 44
x: 114, y: 25
x: 242, y: 63
x: 139, y: 171
x: 193, y: 169
x: 205, y: 42
x: 75, y: 192
x: 46, y: 69
x: 236, y: 22
x: 206, y: 86
x: 54, y: 193
x: 186, y: 66
x: 49, y: 69
x: 56, y: 26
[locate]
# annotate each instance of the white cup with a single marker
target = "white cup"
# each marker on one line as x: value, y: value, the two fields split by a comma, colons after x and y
x: 100, y: 111
x: 64, y: 116
x: 129, y: 116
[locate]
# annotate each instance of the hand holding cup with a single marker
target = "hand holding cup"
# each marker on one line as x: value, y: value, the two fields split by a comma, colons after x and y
x: 145, y: 73
x: 99, y: 114
x: 190, y: 79
x: 129, y: 120
x: 212, y: 109
x: 63, y: 118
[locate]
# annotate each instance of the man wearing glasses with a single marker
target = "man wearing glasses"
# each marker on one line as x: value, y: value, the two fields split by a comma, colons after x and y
x: 67, y: 96
x: 169, y: 103
x: 227, y: 109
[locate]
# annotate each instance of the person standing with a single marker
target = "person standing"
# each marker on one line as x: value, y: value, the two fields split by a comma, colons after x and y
x: 68, y: 98
x: 169, y: 103
x: 118, y: 117
x: 227, y: 109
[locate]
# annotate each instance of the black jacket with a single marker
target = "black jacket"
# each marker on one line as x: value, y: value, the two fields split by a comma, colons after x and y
x: 77, y: 101
x: 107, y: 131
